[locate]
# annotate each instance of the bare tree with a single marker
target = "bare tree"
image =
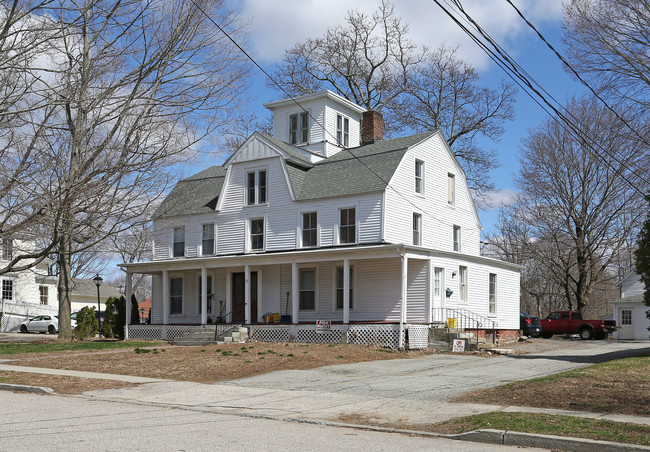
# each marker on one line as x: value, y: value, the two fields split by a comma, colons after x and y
x: 609, y: 42
x: 371, y: 62
x: 125, y: 89
x: 579, y: 194
x: 443, y: 94
x: 236, y: 135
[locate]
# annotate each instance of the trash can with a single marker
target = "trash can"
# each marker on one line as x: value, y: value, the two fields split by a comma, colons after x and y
x: 451, y: 322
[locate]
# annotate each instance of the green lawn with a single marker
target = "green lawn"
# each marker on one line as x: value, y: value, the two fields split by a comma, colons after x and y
x: 45, y: 347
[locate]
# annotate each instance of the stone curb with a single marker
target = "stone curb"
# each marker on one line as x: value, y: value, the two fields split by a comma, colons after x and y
x: 26, y: 388
x: 544, y: 441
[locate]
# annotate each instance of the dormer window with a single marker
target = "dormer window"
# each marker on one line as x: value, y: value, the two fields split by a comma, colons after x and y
x: 342, y: 131
x: 179, y: 242
x: 255, y: 187
x: 419, y: 177
x: 299, y: 128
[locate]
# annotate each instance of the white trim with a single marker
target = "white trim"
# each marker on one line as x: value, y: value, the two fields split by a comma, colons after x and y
x: 248, y: 245
x: 299, y: 228
x: 337, y: 234
x: 316, y: 268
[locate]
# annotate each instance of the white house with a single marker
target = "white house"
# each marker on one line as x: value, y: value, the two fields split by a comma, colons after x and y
x: 630, y: 311
x: 325, y: 220
x: 32, y: 292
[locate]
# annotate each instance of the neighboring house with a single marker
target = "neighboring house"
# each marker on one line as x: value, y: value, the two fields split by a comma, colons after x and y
x: 630, y: 311
x: 324, y: 220
x: 33, y: 292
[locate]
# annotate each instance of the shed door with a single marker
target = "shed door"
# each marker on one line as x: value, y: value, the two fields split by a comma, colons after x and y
x: 625, y: 321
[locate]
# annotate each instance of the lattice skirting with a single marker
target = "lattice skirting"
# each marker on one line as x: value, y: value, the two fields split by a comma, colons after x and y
x: 418, y: 337
x: 160, y: 332
x: 269, y: 334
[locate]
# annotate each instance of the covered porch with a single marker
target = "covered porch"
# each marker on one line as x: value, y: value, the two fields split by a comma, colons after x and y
x: 363, y: 291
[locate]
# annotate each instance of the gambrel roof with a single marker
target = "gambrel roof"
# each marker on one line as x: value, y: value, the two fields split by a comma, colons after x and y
x: 364, y: 169
x: 194, y: 195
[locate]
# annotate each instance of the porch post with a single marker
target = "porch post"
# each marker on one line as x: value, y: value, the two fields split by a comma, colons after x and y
x: 247, y: 294
x: 429, y: 292
x: 403, y: 293
x: 165, y: 296
x: 204, y: 295
x: 295, y: 295
x: 128, y: 290
x: 346, y: 291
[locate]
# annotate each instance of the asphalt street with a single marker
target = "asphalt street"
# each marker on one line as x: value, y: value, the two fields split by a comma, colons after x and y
x: 59, y: 423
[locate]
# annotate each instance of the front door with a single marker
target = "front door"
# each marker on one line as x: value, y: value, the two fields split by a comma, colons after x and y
x: 238, y: 297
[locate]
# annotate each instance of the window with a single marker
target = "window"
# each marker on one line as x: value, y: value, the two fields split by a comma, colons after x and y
x: 207, y: 243
x: 299, y: 128
x: 7, y: 289
x: 307, y: 290
x: 7, y: 249
x: 347, y: 229
x: 309, y: 229
x: 209, y: 284
x: 419, y: 177
x: 43, y: 293
x: 456, y: 238
x: 626, y: 317
x: 339, y: 287
x: 437, y: 286
x: 179, y: 242
x: 451, y: 189
x: 417, y: 229
x: 255, y: 187
x: 492, y: 297
x: 257, y: 234
x: 342, y: 131
x: 176, y: 295
x: 462, y: 283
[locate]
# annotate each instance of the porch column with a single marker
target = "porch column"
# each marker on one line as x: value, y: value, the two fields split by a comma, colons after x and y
x: 165, y: 296
x: 429, y: 292
x: 295, y: 292
x: 346, y: 291
x: 403, y: 293
x: 128, y: 291
x: 204, y: 295
x: 247, y: 294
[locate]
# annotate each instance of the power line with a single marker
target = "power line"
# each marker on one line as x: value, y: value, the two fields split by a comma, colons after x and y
x: 523, y: 79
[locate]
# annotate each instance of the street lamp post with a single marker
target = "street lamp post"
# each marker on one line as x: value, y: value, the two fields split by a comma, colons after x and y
x: 98, y: 282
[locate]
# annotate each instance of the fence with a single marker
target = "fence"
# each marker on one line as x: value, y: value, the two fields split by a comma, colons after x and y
x: 14, y: 313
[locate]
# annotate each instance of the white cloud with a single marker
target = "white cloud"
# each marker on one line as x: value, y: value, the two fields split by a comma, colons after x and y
x: 278, y: 25
x: 499, y: 198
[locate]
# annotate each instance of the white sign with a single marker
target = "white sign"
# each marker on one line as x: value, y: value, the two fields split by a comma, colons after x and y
x: 459, y: 345
x: 323, y: 326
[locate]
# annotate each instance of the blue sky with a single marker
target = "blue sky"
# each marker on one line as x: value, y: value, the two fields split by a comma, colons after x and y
x: 276, y: 25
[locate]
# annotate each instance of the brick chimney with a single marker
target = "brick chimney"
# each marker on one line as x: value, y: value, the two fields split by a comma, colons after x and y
x: 372, y: 127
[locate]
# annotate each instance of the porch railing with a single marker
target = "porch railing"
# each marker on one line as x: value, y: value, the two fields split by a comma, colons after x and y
x: 464, y: 319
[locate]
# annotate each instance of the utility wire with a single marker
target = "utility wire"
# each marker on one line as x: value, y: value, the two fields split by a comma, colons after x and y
x: 523, y: 79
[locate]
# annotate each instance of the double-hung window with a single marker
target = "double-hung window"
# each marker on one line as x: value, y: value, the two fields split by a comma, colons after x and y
x: 462, y: 283
x: 419, y: 177
x: 176, y: 295
x: 451, y: 189
x: 257, y: 234
x: 7, y: 249
x: 309, y: 229
x: 456, y: 238
x: 179, y: 242
x: 255, y: 187
x: 347, y: 226
x: 43, y: 295
x: 342, y: 131
x: 299, y: 128
x: 207, y: 239
x: 417, y: 229
x: 339, y: 287
x: 307, y: 290
x: 8, y: 289
x: 492, y: 294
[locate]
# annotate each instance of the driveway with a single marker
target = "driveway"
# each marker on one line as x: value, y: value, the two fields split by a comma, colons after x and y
x: 413, y: 390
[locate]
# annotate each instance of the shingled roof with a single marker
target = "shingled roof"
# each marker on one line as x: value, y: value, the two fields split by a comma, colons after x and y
x: 194, y: 195
x: 364, y: 169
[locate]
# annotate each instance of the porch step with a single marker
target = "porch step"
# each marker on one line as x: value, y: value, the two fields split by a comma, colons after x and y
x: 205, y: 336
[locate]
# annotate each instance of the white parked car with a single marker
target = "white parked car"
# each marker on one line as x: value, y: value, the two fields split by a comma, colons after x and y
x: 40, y: 324
x: 73, y: 320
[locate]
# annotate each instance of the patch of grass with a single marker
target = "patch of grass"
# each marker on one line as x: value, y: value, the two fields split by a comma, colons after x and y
x: 261, y: 357
x: 305, y: 352
x: 142, y: 350
x: 385, y: 350
x: 290, y: 355
x: 620, y: 386
x: 332, y: 345
x: 41, y: 347
x: 550, y: 425
x: 248, y: 361
x: 338, y: 357
x: 203, y: 350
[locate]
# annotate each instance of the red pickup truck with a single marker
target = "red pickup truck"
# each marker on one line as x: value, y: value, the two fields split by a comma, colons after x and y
x: 570, y: 322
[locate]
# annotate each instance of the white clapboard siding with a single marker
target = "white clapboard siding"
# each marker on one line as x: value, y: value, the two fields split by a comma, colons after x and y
x: 417, y: 290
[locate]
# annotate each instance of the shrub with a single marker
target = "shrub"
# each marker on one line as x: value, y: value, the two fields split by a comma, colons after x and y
x: 87, y: 325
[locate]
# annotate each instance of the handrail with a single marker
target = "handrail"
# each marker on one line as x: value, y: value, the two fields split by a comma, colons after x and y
x: 465, y: 319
